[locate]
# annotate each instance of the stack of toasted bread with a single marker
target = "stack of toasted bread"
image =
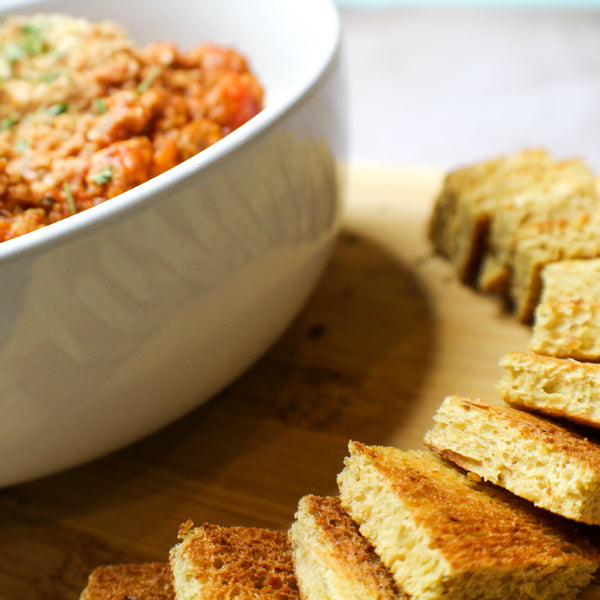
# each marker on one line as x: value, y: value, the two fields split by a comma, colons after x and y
x: 495, y: 507
x: 404, y: 525
x: 502, y: 221
x: 530, y: 229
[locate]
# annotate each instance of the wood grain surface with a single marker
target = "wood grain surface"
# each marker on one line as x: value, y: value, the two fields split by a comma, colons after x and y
x: 387, y: 334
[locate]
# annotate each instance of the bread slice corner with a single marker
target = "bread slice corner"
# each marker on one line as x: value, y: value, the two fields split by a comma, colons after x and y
x: 567, y: 318
x: 332, y: 559
x: 147, y: 581
x: 559, y: 387
x: 443, y: 535
x: 529, y: 455
x: 244, y: 563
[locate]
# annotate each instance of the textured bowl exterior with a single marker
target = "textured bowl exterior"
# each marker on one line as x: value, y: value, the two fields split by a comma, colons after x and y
x: 122, y: 322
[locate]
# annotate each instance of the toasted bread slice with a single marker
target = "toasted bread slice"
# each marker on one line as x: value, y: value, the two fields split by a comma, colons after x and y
x: 472, y: 185
x: 443, y: 535
x: 477, y: 194
x: 332, y: 559
x: 563, y: 196
x: 567, y: 319
x: 569, y: 329
x: 232, y: 562
x: 146, y: 581
x: 575, y: 279
x: 536, y: 459
x: 558, y: 387
x: 540, y: 244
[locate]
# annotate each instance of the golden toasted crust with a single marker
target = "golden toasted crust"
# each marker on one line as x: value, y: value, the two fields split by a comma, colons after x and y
x: 444, y: 536
x: 474, y: 182
x: 342, y: 537
x: 471, y: 197
x: 570, y: 192
x: 560, y: 387
x: 567, y: 318
x: 574, y: 279
x: 532, y: 427
x: 328, y: 547
x: 540, y: 244
x: 536, y: 459
x: 233, y: 562
x: 473, y: 525
x: 567, y: 329
x: 149, y: 581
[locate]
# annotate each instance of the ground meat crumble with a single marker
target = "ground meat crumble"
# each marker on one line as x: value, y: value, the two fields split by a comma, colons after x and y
x: 85, y: 115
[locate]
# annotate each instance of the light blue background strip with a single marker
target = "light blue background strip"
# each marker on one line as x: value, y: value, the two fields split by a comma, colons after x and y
x: 523, y: 4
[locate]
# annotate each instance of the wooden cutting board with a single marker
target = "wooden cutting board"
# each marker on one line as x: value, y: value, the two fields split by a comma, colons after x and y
x: 387, y: 334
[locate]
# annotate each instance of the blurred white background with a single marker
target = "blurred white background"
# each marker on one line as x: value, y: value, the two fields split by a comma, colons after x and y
x: 444, y: 87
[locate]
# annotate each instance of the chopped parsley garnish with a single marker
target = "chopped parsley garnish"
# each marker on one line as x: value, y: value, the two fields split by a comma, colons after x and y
x: 103, y: 176
x: 70, y: 199
x: 148, y: 80
x: 31, y: 43
x: 100, y: 106
x: 29, y: 29
x: 58, y: 109
x: 7, y: 123
x: 12, y: 52
x: 50, y: 76
x: 21, y: 145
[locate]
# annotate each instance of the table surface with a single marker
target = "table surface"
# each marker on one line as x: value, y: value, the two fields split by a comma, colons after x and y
x: 387, y: 334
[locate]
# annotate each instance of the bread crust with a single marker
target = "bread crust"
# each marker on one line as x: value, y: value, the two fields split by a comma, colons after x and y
x: 533, y: 457
x: 571, y: 191
x: 474, y: 525
x: 147, y: 581
x: 467, y: 188
x: 559, y: 387
x: 233, y: 562
x: 462, y: 221
x: 546, y: 242
x: 567, y: 317
x: 333, y: 559
x: 533, y: 427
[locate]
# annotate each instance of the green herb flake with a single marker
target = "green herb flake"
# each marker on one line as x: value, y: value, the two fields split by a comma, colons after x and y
x: 100, y: 105
x: 33, y: 42
x: 50, y: 76
x: 103, y: 176
x: 29, y: 29
x: 12, y: 52
x: 58, y: 108
x: 7, y: 123
x: 70, y: 199
x: 148, y: 80
x: 21, y: 145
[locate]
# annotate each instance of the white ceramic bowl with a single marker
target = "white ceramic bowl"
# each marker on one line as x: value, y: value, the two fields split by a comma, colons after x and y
x: 122, y: 318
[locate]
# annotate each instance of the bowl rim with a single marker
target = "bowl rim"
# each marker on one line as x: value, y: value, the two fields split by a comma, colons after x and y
x: 208, y: 159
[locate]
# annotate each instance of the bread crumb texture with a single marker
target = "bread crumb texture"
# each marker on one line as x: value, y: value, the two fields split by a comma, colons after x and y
x: 559, y: 387
x: 567, y: 329
x: 444, y: 535
x: 333, y: 560
x: 146, y: 581
x: 550, y: 465
x: 233, y: 562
